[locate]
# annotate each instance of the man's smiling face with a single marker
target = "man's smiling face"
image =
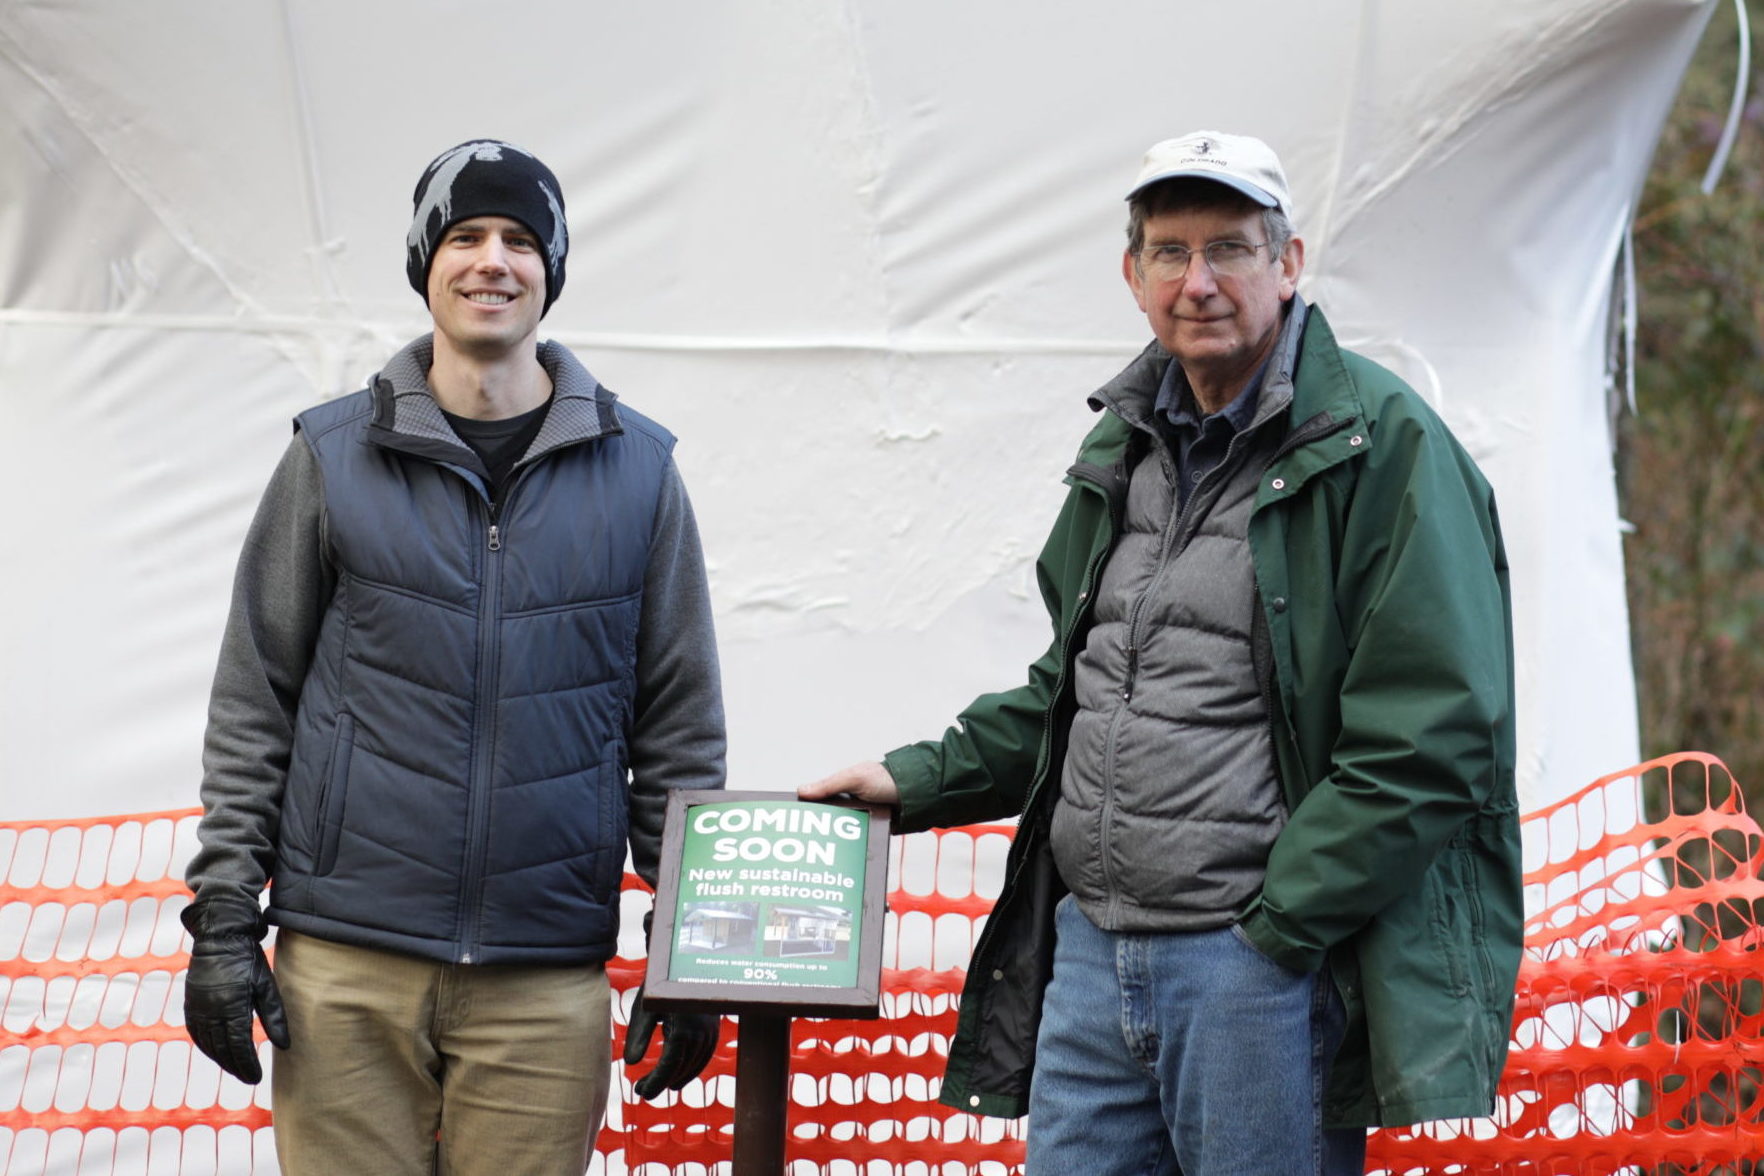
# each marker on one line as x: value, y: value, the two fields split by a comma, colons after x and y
x: 487, y: 286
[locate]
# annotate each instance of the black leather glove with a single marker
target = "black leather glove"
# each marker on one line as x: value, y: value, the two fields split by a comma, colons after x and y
x: 229, y: 980
x: 689, y: 1041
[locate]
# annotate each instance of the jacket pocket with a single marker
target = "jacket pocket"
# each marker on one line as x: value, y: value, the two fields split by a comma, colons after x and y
x: 1452, y: 917
x: 331, y: 796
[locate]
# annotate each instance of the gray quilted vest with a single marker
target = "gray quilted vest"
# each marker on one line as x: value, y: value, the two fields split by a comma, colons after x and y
x: 1169, y: 799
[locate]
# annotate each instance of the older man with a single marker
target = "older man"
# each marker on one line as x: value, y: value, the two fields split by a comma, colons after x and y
x: 1265, y: 888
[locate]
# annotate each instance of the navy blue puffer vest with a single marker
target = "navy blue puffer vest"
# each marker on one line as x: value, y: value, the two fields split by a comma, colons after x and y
x: 458, y: 785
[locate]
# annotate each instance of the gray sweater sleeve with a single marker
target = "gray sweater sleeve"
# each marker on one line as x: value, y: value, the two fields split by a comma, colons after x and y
x: 677, y: 736
x: 281, y: 590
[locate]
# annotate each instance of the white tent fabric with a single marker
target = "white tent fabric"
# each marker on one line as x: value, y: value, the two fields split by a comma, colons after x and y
x: 862, y: 257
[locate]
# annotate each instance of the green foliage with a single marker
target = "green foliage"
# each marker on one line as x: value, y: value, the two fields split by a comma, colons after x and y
x: 1691, y: 459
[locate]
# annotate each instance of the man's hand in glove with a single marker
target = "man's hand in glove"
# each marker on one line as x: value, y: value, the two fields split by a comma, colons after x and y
x: 229, y: 980
x: 689, y: 1041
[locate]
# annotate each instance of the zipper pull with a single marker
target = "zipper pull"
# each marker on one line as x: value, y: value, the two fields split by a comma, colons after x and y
x: 495, y: 538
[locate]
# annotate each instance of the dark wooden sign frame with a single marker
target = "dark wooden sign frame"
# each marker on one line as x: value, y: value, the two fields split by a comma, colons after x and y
x: 861, y: 1001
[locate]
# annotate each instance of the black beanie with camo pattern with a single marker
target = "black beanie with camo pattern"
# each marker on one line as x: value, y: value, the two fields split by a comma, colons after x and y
x: 487, y: 177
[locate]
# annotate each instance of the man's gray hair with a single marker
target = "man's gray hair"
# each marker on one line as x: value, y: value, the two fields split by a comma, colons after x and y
x: 1198, y: 195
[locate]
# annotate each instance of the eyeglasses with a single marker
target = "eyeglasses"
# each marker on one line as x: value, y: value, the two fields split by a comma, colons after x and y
x: 1227, y: 259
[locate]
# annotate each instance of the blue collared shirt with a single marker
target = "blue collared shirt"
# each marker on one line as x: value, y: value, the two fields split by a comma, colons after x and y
x: 1200, y: 442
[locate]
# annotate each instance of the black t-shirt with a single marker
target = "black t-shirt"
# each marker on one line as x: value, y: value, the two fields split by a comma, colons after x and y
x: 499, y: 444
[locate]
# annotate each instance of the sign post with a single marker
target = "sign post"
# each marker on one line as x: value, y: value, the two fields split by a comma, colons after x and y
x: 762, y: 1094
x: 768, y: 908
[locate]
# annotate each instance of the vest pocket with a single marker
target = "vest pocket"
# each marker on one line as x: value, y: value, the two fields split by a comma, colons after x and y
x: 331, y: 792
x: 613, y: 833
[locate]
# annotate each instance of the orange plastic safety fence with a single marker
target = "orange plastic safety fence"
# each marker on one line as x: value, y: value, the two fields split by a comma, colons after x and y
x: 1636, y: 1040
x: 1638, y: 1036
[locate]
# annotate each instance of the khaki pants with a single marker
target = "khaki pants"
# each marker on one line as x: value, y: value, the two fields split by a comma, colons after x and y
x: 401, y: 1066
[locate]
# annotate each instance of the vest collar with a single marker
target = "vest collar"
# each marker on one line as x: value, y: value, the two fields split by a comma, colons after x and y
x: 407, y: 417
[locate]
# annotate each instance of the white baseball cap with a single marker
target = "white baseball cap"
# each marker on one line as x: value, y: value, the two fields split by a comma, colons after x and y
x: 1237, y: 161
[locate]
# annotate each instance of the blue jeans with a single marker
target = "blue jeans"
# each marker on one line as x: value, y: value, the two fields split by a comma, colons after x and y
x: 1182, y: 1054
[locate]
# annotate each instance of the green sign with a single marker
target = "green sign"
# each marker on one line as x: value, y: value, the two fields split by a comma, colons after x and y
x: 770, y: 893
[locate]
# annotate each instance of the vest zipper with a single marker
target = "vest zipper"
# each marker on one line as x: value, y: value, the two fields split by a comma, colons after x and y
x: 1173, y: 540
x: 478, y: 784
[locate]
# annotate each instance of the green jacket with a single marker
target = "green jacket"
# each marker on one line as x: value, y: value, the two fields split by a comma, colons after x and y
x: 1387, y: 652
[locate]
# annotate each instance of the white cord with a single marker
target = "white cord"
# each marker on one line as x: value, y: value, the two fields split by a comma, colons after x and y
x: 1731, y: 131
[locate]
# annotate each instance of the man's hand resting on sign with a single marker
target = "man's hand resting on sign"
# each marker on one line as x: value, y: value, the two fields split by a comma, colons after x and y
x: 866, y: 781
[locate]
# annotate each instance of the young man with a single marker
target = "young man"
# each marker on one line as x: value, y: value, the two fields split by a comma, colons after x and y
x: 470, y: 652
x: 1265, y: 888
